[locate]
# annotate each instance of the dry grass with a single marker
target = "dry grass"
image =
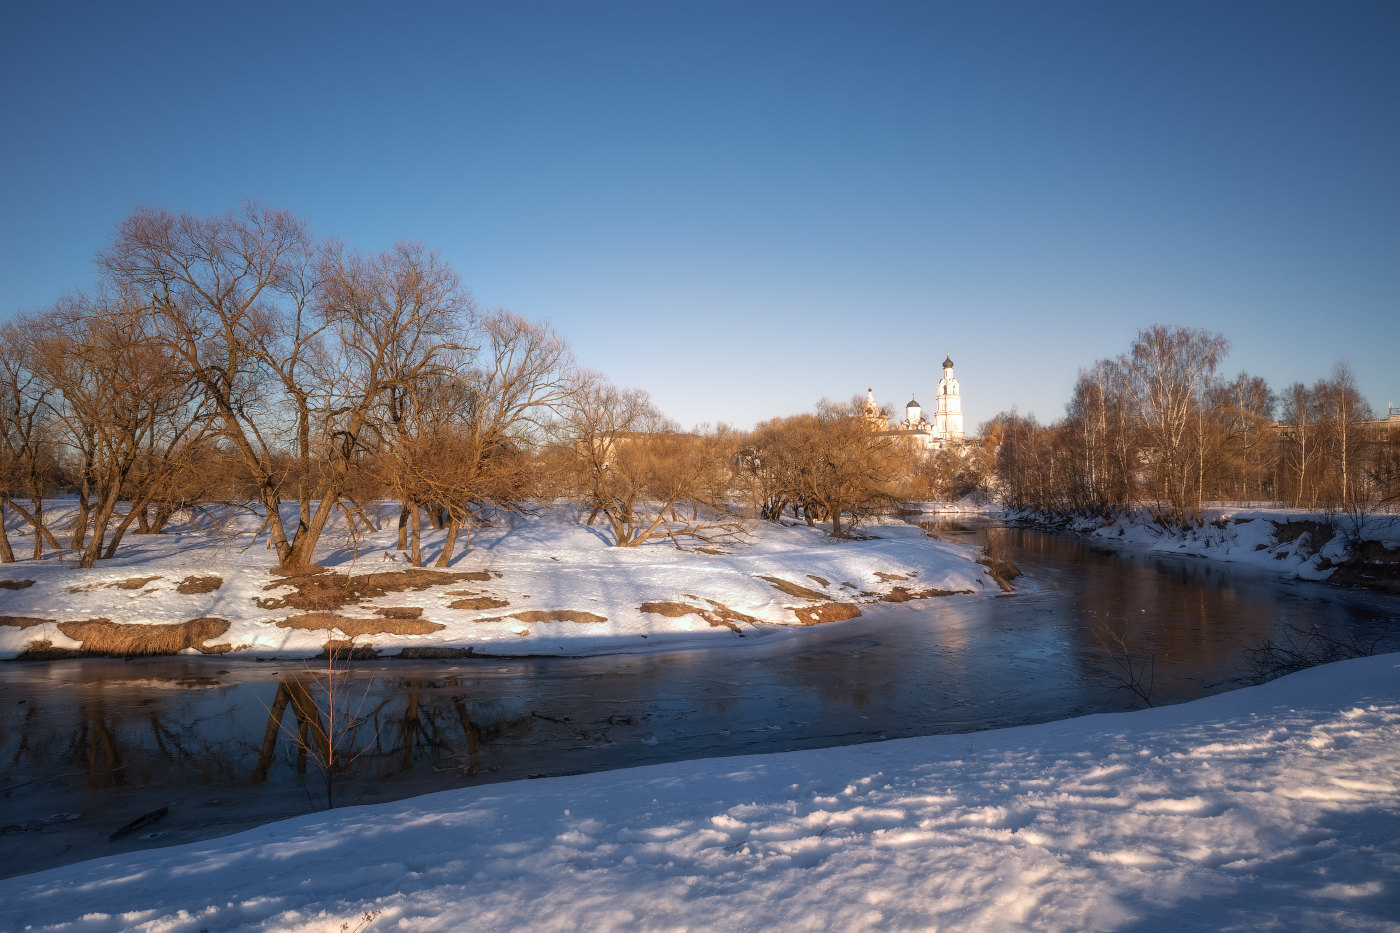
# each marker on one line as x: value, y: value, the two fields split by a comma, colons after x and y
x: 827, y: 612
x: 822, y: 580
x: 479, y: 602
x: 130, y: 583
x: 320, y: 591
x: 400, y: 612
x: 887, y: 577
x: 793, y: 589
x: 719, y: 616
x: 354, y: 628
x: 433, y: 653
x: 120, y: 639
x: 347, y: 650
x: 556, y: 615
x: 902, y: 595
x: 199, y: 584
x: 15, y: 584
x: 23, y: 622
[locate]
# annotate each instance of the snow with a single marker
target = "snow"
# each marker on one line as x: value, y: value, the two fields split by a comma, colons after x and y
x: 547, y: 562
x: 1245, y: 536
x: 1271, y: 808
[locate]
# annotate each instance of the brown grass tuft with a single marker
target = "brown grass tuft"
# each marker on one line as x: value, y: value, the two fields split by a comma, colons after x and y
x: 822, y: 580
x: 400, y: 612
x: 102, y: 636
x: 199, y: 584
x: 323, y: 592
x: 556, y: 615
x: 15, y: 584
x: 721, y: 616
x: 23, y: 621
x: 354, y: 628
x: 887, y: 577
x: 347, y: 650
x: 901, y: 595
x: 479, y: 602
x: 827, y: 612
x: 793, y: 589
x: 434, y: 653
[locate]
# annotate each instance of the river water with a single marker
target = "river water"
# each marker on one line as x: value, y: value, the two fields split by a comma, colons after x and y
x: 88, y: 746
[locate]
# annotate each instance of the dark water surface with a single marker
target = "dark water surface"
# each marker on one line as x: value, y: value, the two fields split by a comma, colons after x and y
x: 90, y: 745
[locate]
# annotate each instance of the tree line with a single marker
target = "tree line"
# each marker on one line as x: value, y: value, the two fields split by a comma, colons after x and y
x: 1159, y: 429
x: 234, y: 362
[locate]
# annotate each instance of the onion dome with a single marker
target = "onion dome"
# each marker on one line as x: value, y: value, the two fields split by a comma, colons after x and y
x: 947, y: 362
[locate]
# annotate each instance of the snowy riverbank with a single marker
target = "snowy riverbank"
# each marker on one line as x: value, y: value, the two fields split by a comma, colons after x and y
x: 1271, y: 807
x: 1298, y: 543
x: 549, y: 585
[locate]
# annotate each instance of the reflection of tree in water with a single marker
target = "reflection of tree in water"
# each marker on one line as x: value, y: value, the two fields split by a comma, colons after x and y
x: 406, y: 721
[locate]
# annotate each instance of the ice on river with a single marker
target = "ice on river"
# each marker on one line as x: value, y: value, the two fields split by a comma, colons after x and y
x: 1270, y: 807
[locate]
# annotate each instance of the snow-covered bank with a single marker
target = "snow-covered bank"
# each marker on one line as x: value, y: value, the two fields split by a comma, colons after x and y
x: 548, y: 585
x: 1271, y: 807
x: 1302, y: 544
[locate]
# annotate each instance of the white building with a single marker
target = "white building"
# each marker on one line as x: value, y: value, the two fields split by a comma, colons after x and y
x: 946, y: 429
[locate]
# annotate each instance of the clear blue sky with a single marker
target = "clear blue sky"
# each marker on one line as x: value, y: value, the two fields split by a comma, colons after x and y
x: 743, y: 208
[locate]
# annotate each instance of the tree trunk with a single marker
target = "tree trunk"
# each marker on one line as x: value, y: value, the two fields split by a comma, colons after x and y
x: 403, y: 527
x: 449, y: 545
x: 7, y: 556
x: 415, y: 550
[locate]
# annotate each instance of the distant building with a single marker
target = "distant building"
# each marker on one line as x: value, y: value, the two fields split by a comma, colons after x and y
x: 945, y: 430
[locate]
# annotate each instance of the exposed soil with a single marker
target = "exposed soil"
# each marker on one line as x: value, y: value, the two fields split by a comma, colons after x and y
x: 22, y: 622
x: 556, y: 615
x: 1373, y: 565
x: 719, y: 615
x: 320, y: 591
x: 827, y: 612
x: 1321, y: 533
x: 793, y: 589
x: 313, y: 621
x: 127, y: 640
x: 709, y: 550
x: 199, y: 584
x: 887, y: 577
x: 15, y: 584
x: 902, y: 595
x: 479, y: 602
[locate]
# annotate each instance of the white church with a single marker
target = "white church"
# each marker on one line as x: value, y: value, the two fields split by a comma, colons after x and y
x: 945, y: 431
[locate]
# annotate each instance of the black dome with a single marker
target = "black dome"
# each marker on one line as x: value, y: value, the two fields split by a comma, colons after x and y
x: 947, y: 362
x: 913, y: 404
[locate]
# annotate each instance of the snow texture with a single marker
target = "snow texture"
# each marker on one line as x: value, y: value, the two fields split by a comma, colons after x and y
x: 1268, y: 808
x: 551, y: 562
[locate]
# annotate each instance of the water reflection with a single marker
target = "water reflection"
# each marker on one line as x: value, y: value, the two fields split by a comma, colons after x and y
x: 227, y: 745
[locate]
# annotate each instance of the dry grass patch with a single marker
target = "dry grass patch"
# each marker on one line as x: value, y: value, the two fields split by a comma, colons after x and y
x: 325, y: 621
x: 888, y: 577
x: 399, y: 612
x: 719, y: 616
x: 15, y: 584
x: 320, y: 591
x: 822, y: 580
x: 901, y: 595
x: 479, y: 602
x: 793, y: 589
x: 130, y: 583
x: 199, y: 584
x: 556, y: 615
x: 434, y: 653
x: 827, y: 612
x: 347, y: 650
x: 23, y: 622
x: 102, y: 636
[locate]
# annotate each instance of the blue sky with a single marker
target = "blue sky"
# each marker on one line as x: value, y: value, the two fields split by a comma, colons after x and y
x: 746, y: 207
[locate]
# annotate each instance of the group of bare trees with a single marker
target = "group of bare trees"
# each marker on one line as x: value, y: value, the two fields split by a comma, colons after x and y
x: 233, y: 362
x: 1158, y: 429
x: 233, y: 358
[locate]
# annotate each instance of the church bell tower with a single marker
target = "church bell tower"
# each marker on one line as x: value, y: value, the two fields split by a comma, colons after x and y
x: 948, y: 416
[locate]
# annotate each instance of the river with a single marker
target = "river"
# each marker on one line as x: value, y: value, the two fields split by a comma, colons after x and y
x: 91, y: 745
